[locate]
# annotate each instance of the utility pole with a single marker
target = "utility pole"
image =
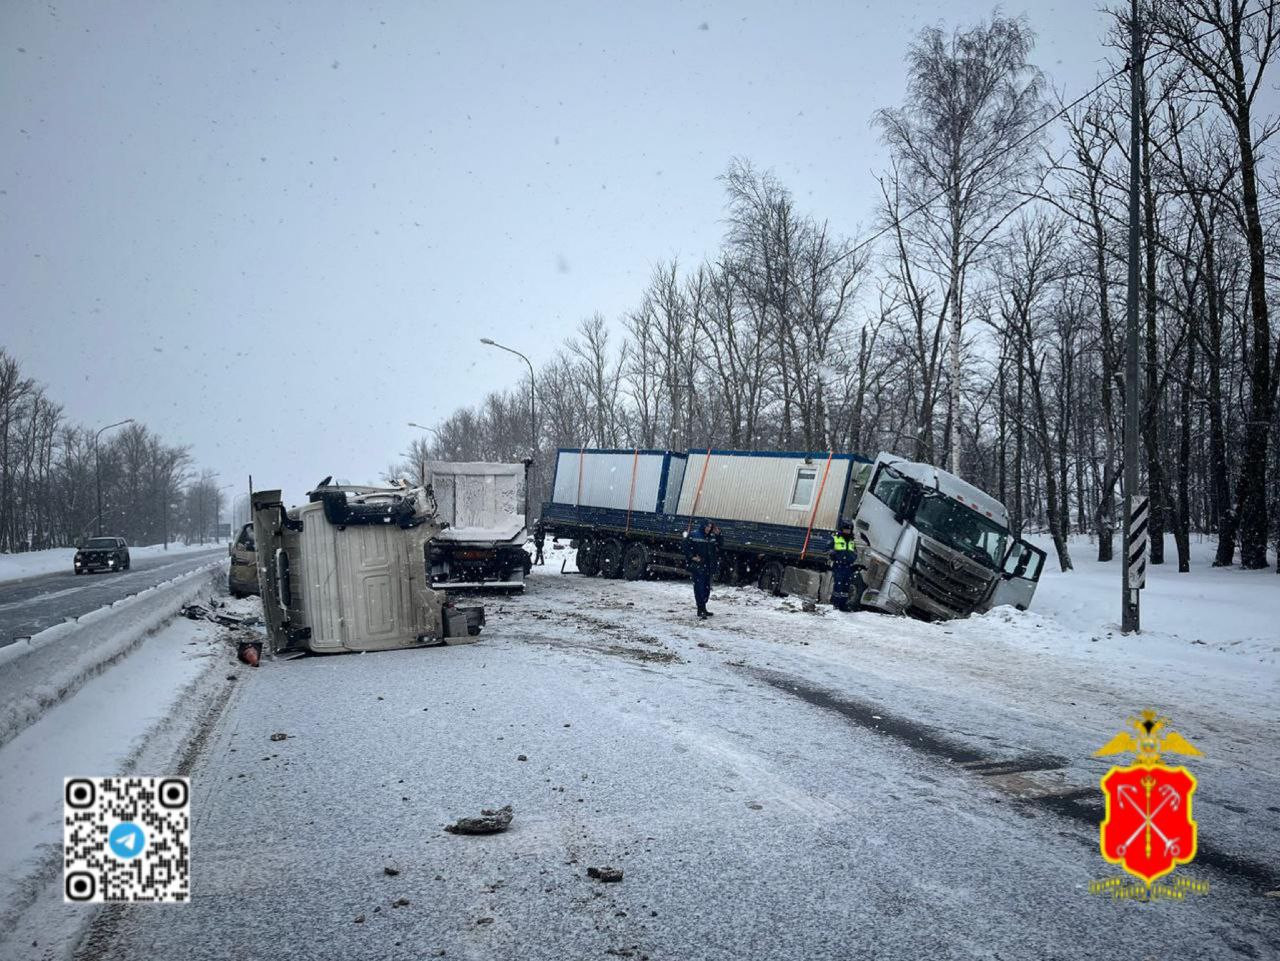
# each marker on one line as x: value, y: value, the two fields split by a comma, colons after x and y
x: 1129, y: 610
x: 97, y: 466
x: 533, y: 422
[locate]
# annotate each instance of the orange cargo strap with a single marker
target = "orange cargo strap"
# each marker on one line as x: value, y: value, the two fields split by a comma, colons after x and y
x: 635, y: 459
x: 578, y: 501
x: 693, y: 512
x: 816, y: 501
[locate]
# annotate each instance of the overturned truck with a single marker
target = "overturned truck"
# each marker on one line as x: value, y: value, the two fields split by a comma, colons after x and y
x: 347, y: 571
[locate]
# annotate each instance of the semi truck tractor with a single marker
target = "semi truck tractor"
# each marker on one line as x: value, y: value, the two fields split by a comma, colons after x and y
x: 929, y: 543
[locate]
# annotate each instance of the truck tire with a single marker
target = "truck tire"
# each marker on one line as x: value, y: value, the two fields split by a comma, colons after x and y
x: 588, y: 557
x: 635, y: 562
x: 771, y: 578
x: 611, y: 558
x: 733, y: 571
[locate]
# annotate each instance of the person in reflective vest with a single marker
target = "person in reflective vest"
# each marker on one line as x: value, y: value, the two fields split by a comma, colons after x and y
x: 846, y: 582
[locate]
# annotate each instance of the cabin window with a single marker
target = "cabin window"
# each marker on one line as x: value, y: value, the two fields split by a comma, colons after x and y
x: 891, y: 488
x: 802, y: 491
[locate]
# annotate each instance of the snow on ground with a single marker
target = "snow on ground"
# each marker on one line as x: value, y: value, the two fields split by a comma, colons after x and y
x: 33, y: 563
x: 1219, y: 607
x: 100, y: 731
x: 42, y: 672
x: 755, y: 776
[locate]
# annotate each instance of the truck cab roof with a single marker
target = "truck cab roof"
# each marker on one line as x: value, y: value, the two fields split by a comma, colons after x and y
x: 951, y: 485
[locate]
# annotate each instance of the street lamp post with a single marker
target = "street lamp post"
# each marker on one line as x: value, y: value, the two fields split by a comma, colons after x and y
x: 533, y: 422
x: 97, y: 466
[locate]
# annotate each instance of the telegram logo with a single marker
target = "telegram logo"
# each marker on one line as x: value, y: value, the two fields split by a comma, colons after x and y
x: 126, y: 840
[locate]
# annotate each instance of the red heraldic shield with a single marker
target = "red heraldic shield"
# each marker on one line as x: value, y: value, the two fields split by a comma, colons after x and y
x: 1148, y: 828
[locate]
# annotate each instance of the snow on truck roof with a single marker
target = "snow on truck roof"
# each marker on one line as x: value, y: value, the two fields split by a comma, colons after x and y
x: 474, y: 468
x: 953, y: 486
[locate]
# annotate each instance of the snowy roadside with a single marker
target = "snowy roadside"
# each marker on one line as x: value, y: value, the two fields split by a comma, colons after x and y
x: 774, y: 783
x: 15, y: 567
x: 45, y: 670
x: 137, y: 716
x: 1053, y: 682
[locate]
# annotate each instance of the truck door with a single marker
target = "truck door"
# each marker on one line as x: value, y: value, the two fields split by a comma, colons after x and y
x: 1022, y: 567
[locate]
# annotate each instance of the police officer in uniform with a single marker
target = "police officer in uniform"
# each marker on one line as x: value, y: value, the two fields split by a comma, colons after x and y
x: 702, y: 555
x: 847, y: 586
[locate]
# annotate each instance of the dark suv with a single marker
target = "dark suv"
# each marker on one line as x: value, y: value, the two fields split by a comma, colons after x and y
x: 102, y: 554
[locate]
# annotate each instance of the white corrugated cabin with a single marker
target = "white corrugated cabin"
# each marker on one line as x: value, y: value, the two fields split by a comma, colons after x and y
x: 791, y: 488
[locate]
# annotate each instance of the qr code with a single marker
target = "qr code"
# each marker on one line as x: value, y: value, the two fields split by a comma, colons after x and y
x: 126, y: 839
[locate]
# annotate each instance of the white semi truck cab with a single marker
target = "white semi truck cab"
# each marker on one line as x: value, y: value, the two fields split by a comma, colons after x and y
x: 934, y: 545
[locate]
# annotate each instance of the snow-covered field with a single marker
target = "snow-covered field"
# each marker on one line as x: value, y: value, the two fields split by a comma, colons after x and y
x: 1224, y: 608
x: 34, y: 563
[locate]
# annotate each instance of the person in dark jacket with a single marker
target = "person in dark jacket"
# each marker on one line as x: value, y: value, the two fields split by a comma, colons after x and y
x: 702, y: 556
x: 539, y: 535
x: 846, y: 581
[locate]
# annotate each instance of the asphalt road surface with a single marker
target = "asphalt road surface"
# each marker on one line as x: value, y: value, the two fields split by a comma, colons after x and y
x: 35, y: 603
x: 773, y: 784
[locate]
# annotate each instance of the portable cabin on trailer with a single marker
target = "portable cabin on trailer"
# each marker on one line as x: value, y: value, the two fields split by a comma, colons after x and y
x: 629, y: 511
x: 636, y: 480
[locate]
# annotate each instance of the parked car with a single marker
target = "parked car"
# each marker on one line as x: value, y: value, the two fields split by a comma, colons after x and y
x: 102, y: 554
x: 242, y: 579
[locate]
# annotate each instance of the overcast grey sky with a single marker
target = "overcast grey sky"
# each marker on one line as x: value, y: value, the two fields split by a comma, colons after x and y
x: 314, y: 210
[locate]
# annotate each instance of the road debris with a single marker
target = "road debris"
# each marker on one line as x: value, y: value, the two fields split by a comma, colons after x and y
x: 489, y: 822
x: 607, y: 875
x: 390, y: 870
x: 400, y: 903
x: 279, y: 736
x: 198, y: 612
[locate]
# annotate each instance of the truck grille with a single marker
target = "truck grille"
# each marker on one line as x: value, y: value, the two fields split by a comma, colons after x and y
x: 949, y: 579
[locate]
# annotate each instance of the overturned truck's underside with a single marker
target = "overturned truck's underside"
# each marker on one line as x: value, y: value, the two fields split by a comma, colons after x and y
x: 347, y: 572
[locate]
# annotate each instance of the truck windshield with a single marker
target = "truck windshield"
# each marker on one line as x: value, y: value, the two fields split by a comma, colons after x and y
x: 961, y: 528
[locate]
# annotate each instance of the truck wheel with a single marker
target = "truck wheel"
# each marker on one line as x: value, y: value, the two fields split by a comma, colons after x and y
x: 733, y: 571
x: 611, y: 558
x: 588, y: 558
x: 635, y: 562
x: 771, y: 578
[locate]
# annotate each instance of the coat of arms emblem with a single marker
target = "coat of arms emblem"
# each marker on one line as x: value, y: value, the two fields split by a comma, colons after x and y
x: 1148, y: 829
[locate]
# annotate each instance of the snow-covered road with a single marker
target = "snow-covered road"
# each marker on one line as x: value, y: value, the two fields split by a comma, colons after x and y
x: 775, y: 784
x: 36, y: 602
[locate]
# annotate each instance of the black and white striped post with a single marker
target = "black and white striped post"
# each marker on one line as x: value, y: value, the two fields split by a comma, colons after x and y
x: 1139, y: 540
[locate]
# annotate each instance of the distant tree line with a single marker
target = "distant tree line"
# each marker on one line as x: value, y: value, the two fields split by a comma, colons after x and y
x: 48, y: 477
x: 983, y: 327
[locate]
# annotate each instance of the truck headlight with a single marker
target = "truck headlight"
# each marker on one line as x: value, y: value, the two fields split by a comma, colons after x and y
x: 897, y: 596
x: 112, y: 562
